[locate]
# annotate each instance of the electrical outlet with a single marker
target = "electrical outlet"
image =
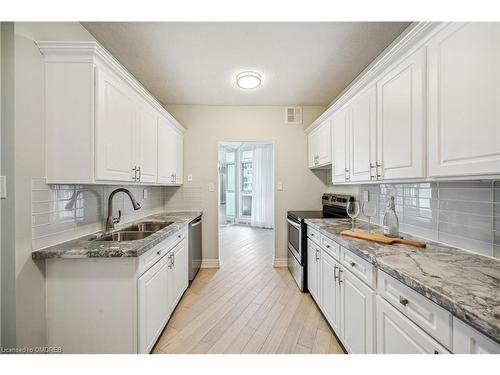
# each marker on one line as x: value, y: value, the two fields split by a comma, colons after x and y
x: 211, y: 187
x: 190, y: 177
x: 279, y: 186
x: 145, y: 193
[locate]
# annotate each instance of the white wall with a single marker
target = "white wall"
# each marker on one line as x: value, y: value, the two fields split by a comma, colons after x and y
x: 30, y: 162
x: 206, y: 125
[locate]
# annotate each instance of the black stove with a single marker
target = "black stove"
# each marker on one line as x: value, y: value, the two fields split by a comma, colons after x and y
x: 334, y: 206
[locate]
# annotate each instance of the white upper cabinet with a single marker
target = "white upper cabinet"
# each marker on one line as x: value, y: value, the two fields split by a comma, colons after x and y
x: 363, y: 136
x: 147, y: 145
x: 170, y: 153
x: 101, y: 124
x: 319, y: 146
x: 401, y: 119
x: 115, y: 130
x: 464, y: 100
x: 340, y: 146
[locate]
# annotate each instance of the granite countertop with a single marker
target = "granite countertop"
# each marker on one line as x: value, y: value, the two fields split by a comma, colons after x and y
x: 466, y: 284
x: 84, y: 248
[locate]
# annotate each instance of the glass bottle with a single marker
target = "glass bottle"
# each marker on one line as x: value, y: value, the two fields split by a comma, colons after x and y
x: 391, y: 222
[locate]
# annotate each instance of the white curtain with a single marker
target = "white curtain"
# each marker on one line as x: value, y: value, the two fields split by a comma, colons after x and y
x: 262, y: 187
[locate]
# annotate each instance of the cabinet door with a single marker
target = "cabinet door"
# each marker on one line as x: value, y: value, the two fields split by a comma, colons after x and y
x: 313, y: 259
x: 115, y: 129
x: 166, y: 152
x: 312, y: 149
x: 396, y: 334
x: 400, y: 119
x: 340, y: 146
x: 464, y: 100
x: 180, y: 271
x: 466, y: 340
x: 324, y: 143
x: 179, y: 157
x: 154, y: 309
x: 357, y: 314
x: 330, y: 290
x: 147, y: 143
x: 363, y: 136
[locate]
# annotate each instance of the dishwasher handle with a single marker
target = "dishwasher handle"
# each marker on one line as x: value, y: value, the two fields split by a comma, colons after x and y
x: 196, y: 223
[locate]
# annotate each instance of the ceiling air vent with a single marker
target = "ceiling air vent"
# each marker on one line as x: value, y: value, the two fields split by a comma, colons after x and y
x: 293, y: 115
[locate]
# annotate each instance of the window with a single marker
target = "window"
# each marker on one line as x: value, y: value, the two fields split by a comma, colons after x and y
x: 246, y: 183
x: 246, y: 176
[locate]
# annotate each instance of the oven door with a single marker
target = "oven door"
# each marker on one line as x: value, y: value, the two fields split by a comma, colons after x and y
x: 295, y: 239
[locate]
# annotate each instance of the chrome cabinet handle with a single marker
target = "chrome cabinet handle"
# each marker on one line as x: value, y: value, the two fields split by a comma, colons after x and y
x: 173, y: 260
x: 379, y: 175
x: 158, y: 252
x: 335, y: 277
x: 327, y: 246
x: 403, y: 301
x: 139, y: 171
x: 134, y: 178
x: 340, y: 280
x: 353, y: 264
x: 317, y: 256
x: 371, y: 175
x: 170, y: 263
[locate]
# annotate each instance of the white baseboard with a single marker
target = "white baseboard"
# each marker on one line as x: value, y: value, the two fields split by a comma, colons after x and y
x: 280, y: 262
x: 210, y: 263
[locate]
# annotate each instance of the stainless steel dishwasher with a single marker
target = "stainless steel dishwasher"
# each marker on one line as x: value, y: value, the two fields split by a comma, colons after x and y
x: 194, y: 248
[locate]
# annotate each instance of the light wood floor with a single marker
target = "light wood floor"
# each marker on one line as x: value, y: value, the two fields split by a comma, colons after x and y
x: 246, y: 306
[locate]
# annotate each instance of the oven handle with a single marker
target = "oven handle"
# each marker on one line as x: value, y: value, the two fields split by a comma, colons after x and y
x: 293, y: 223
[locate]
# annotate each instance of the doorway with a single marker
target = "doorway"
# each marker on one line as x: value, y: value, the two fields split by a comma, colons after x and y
x: 245, y: 199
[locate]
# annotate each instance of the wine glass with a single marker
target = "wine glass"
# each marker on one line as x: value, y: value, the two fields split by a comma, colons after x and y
x: 353, y: 211
x: 369, y: 210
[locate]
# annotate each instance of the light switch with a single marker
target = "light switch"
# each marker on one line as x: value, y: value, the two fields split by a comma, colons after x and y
x: 190, y: 177
x: 211, y: 187
x: 279, y: 186
x: 145, y: 193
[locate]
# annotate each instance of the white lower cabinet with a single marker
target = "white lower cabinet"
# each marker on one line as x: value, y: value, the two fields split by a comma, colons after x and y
x: 179, y: 278
x: 154, y: 308
x: 314, y: 271
x: 121, y: 305
x: 330, y: 291
x: 396, y: 334
x: 466, y: 340
x: 160, y: 290
x: 357, y: 314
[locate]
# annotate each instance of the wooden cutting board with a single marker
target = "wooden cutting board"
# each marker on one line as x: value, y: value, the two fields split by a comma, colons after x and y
x: 380, y: 238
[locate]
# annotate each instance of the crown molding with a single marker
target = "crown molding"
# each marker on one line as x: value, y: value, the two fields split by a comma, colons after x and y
x: 92, y: 52
x: 417, y: 35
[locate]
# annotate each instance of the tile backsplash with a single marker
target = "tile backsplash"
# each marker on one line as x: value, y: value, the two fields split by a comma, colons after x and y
x: 64, y: 212
x: 461, y: 214
x: 185, y: 197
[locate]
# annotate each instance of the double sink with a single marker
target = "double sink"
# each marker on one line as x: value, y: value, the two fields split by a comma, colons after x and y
x: 134, y: 232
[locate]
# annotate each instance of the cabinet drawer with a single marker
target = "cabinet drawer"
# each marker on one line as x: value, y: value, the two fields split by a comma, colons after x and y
x: 466, y: 340
x: 330, y: 246
x: 361, y: 268
x: 148, y: 259
x: 313, y: 234
x: 397, y: 334
x: 432, y: 318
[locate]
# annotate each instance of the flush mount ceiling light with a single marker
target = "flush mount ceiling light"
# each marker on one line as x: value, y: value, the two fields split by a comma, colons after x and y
x: 248, y: 80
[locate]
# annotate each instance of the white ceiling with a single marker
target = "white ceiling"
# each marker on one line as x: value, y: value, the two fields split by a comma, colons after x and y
x: 196, y: 63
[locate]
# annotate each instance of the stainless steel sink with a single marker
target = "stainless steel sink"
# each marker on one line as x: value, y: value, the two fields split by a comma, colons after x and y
x: 147, y: 226
x: 124, y: 236
x: 134, y: 232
